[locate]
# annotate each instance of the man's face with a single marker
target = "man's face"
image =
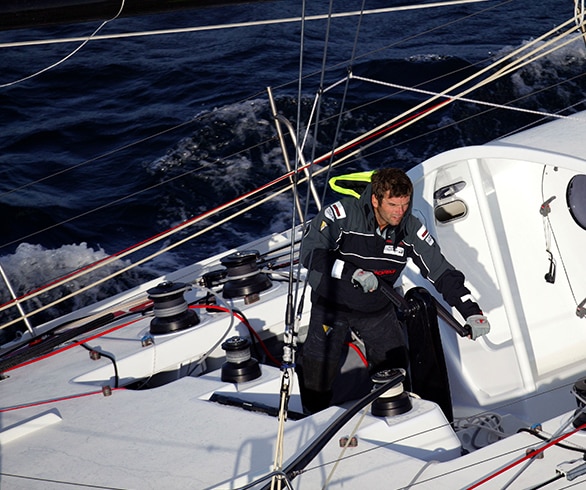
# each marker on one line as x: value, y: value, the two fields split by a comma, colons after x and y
x: 390, y: 210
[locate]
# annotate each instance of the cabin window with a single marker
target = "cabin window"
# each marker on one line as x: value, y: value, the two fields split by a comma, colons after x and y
x: 452, y: 208
x: 449, y: 211
x: 576, y: 197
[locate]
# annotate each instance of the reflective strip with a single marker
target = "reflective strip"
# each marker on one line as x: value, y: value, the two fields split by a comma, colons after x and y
x: 338, y: 268
x: 467, y: 297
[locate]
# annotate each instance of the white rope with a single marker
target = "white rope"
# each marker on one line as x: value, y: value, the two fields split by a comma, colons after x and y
x: 186, y: 224
x: 149, y: 242
x: 579, y: 14
x: 65, y: 58
x: 424, y: 113
x: 464, y: 99
x: 506, y: 69
x: 235, y: 25
x: 365, y: 410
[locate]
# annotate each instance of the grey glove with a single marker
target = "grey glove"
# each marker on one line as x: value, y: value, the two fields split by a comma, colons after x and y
x: 365, y: 279
x: 478, y: 325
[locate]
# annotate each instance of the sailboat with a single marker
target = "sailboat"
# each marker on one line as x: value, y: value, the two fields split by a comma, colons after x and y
x: 188, y: 380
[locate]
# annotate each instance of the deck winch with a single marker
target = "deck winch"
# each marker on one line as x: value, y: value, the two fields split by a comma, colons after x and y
x: 394, y: 401
x: 244, y: 279
x: 239, y: 366
x: 171, y: 310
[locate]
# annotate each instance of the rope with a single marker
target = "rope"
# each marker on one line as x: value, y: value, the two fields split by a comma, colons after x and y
x: 381, y: 132
x: 549, y: 232
x: 531, y: 455
x: 346, y: 446
x: 65, y: 58
x: 465, y: 99
x: 231, y: 25
x: 412, y: 115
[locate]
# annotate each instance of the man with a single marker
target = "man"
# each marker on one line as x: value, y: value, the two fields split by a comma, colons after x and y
x: 351, y: 247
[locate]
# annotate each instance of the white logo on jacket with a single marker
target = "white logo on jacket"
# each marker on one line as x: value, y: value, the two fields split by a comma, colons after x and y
x: 390, y: 250
x: 335, y: 211
x: 424, y: 235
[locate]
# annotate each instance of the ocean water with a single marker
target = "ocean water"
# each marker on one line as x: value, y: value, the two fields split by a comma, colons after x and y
x: 129, y: 137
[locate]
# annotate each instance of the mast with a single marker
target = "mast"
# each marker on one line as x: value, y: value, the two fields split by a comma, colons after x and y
x: 19, y: 14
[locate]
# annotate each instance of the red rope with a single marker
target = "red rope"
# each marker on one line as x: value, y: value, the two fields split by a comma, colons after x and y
x: 70, y: 346
x: 246, y: 324
x: 195, y: 219
x: 529, y: 455
x: 358, y: 351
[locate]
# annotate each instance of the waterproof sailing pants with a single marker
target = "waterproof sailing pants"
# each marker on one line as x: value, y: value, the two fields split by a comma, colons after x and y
x: 381, y: 332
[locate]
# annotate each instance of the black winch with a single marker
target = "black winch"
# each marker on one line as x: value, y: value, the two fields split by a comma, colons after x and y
x: 239, y: 366
x: 244, y: 279
x: 171, y: 310
x: 395, y: 401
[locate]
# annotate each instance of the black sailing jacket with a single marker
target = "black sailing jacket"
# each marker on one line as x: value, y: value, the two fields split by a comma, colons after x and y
x: 346, y: 231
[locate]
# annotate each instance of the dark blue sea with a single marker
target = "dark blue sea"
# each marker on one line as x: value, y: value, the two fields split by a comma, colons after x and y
x: 129, y: 137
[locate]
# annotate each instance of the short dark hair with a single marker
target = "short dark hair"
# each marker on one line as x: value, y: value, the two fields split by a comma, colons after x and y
x: 393, y: 180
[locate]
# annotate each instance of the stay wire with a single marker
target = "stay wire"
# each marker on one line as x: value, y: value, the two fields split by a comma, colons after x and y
x: 339, y: 121
x: 423, y: 109
x: 72, y: 53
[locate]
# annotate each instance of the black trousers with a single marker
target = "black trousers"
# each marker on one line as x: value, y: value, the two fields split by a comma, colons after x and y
x: 381, y: 332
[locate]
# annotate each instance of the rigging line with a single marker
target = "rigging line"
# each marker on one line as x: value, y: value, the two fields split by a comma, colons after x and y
x: 429, y: 430
x: 345, y: 447
x: 547, y: 220
x: 167, y: 233
x: 60, y: 482
x: 530, y: 456
x: 189, y: 122
x: 515, y: 66
x: 286, y: 20
x: 103, y: 155
x: 456, y: 85
x: 290, y: 330
x: 384, y: 131
x: 466, y: 99
x: 66, y: 57
x: 470, y: 117
x: 55, y: 400
x: 123, y: 198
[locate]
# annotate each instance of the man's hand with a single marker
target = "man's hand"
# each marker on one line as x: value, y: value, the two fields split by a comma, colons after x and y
x: 365, y: 279
x: 478, y: 326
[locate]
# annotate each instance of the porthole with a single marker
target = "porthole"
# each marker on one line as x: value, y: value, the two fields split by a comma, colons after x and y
x: 576, y: 197
x: 449, y: 211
